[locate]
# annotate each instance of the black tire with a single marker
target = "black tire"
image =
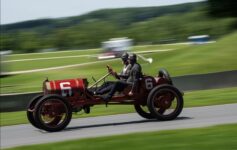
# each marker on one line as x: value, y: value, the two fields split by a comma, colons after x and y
x: 165, y: 74
x: 31, y: 106
x: 142, y: 112
x: 54, y: 125
x: 160, y: 94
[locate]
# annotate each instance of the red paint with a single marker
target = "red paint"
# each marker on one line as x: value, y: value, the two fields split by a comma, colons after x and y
x: 67, y: 86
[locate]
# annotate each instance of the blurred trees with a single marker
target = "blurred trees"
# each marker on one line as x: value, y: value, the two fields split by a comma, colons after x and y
x: 144, y: 25
x: 223, y: 8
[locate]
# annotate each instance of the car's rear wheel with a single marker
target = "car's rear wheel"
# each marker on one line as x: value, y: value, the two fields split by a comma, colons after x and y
x: 53, y: 113
x: 30, y: 110
x: 165, y: 102
x: 143, y: 111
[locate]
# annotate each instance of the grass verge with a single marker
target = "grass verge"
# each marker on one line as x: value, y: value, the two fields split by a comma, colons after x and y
x: 222, y: 137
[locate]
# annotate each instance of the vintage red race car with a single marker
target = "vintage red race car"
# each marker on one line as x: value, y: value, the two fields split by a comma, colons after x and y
x: 155, y: 98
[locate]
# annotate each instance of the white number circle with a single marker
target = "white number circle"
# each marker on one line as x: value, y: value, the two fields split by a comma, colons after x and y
x: 149, y: 83
x: 66, y: 89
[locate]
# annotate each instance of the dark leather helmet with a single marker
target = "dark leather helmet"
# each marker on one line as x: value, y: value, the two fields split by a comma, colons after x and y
x: 124, y: 56
x: 132, y: 58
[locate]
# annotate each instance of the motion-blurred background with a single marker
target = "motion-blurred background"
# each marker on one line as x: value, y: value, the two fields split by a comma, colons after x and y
x: 145, y: 25
x: 181, y: 36
x: 78, y: 38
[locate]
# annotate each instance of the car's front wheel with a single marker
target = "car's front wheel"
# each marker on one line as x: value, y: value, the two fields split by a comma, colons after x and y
x: 53, y: 113
x: 30, y: 110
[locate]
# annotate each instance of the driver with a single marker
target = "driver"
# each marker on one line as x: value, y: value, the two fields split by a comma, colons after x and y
x: 105, y: 87
x: 134, y: 75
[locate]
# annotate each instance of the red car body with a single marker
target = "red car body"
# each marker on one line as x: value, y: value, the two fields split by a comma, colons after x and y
x: 62, y: 97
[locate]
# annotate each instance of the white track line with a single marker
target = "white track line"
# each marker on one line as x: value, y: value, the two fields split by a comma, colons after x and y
x: 54, y: 52
x: 52, y: 68
x: 75, y: 65
x: 153, y: 51
x: 49, y: 58
x: 185, y: 43
x: 181, y: 43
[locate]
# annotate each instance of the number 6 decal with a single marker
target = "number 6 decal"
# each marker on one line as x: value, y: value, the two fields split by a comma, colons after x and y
x: 65, y: 86
x: 149, y: 83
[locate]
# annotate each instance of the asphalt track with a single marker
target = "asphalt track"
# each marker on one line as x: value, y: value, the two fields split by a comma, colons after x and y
x: 118, y: 124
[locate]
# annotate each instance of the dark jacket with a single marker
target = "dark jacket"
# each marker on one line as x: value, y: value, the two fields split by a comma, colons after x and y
x: 134, y: 75
x: 125, y: 72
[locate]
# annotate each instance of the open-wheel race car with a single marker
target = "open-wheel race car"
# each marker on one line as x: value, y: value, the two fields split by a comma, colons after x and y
x: 155, y: 98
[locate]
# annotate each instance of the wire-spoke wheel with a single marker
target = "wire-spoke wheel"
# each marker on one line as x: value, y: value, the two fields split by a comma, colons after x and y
x: 165, y: 102
x: 53, y: 113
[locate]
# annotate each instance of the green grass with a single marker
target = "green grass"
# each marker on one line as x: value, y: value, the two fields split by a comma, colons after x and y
x: 39, y: 64
x: 53, y: 54
x: 87, y: 52
x: 221, y: 137
x: 187, y: 59
x: 191, y: 99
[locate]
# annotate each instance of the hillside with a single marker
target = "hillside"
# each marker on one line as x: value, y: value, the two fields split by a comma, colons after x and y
x: 122, y: 16
x: 145, y: 25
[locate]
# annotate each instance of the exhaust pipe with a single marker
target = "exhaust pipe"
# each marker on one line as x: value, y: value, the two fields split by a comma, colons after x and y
x: 150, y: 60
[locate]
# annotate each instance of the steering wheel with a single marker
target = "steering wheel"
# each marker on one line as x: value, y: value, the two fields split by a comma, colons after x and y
x: 111, y: 71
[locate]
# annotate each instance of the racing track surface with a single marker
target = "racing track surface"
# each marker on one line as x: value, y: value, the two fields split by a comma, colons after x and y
x: 118, y: 124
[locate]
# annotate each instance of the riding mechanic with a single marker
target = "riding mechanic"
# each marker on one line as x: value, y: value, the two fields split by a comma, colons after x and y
x: 105, y: 87
x: 133, y: 78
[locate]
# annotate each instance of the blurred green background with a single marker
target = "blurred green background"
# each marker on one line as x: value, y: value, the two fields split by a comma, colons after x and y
x: 152, y: 28
x: 148, y: 25
x: 76, y: 40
